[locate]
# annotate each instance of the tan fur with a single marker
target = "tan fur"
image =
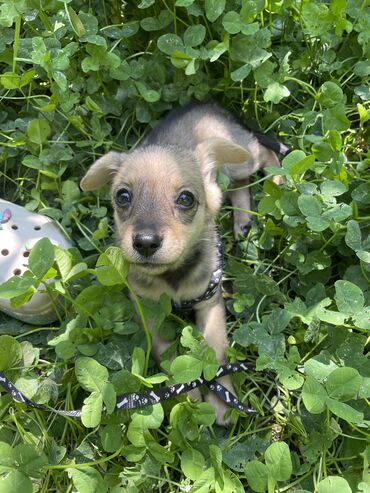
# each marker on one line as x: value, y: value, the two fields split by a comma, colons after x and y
x: 183, y: 154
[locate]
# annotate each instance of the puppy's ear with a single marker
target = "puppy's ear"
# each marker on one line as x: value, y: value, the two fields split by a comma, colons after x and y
x: 212, y: 154
x: 102, y: 171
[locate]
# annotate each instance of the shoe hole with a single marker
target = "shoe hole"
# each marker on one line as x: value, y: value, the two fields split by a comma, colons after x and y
x: 26, y: 253
x: 4, y: 252
x: 14, y: 226
x: 37, y: 228
x: 17, y: 272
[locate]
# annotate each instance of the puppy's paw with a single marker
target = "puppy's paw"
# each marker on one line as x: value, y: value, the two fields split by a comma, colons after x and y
x: 220, y: 406
x: 242, y: 224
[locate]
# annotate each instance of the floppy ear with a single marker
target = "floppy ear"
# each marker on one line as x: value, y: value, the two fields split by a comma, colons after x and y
x: 102, y: 171
x: 212, y: 154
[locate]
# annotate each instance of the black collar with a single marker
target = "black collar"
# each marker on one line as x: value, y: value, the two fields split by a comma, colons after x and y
x: 212, y: 285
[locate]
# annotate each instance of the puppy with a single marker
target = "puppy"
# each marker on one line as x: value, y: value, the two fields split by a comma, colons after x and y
x: 165, y: 199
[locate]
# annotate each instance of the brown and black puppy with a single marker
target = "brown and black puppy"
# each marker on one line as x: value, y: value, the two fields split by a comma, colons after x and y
x: 165, y: 199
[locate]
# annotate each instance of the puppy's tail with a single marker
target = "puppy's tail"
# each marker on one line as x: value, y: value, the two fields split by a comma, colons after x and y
x: 272, y: 144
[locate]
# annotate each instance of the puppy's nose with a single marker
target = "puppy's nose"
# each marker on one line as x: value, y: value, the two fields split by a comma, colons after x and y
x: 146, y: 243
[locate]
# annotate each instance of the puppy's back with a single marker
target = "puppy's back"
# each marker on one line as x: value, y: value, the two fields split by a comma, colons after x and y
x: 194, y: 123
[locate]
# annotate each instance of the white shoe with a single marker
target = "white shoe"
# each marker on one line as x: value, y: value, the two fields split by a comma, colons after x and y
x: 19, y: 231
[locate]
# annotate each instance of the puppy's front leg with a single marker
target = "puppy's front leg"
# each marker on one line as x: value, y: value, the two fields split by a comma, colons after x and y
x: 211, y: 320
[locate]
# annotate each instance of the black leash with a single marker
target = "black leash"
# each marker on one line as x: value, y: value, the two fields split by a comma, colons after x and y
x: 149, y: 397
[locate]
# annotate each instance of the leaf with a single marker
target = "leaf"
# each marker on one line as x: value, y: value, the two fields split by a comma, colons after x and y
x: 10, y: 80
x: 150, y: 95
x: 29, y: 460
x: 353, y: 235
x: 332, y: 188
x: 138, y: 361
x: 160, y: 453
x: 330, y: 94
x: 109, y: 397
x: 348, y: 297
x: 169, y: 43
x: 157, y: 23
x: 318, y: 224
x: 278, y: 461
x: 90, y: 300
x: 364, y: 256
x: 345, y: 411
x: 144, y: 4
x: 15, y: 481
x: 210, y: 363
x: 214, y: 8
x: 278, y: 321
x: 315, y: 261
x: 333, y: 484
x: 362, y: 319
x: 92, y: 410
x: 361, y: 194
x: 316, y: 18
x: 335, y: 118
x: 257, y: 475
x: 291, y: 379
x: 149, y: 417
x: 275, y: 92
x: 91, y: 375
x: 41, y: 257
x: 76, y: 23
x: 88, y: 480
x: 314, y: 396
x: 10, y: 352
x: 215, y: 455
x: 244, y: 49
x: 237, y: 455
x: 17, y: 464
x: 38, y: 131
x: 186, y: 368
x: 231, y: 22
x: 194, y: 35
x: 319, y: 366
x: 204, y: 482
x: 192, y: 463
x: 184, y: 3
x: 111, y: 267
x: 293, y: 157
x: 16, y: 286
x: 310, y: 205
x: 343, y: 384
x: 302, y: 165
x: 136, y: 431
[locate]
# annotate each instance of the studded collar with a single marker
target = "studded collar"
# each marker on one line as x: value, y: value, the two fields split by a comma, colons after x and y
x: 212, y: 285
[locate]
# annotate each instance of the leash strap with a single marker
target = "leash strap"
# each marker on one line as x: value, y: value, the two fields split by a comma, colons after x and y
x: 149, y: 397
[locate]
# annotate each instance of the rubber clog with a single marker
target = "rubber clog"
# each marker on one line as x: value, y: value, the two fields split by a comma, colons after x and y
x: 19, y: 231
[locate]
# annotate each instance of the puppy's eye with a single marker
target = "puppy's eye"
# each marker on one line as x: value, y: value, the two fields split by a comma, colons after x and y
x: 185, y: 200
x: 123, y: 197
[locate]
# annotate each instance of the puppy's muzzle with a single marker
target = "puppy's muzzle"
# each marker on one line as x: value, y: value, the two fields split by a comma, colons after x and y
x: 146, y: 243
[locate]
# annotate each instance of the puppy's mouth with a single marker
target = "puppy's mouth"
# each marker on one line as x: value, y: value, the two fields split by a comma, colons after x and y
x: 152, y: 266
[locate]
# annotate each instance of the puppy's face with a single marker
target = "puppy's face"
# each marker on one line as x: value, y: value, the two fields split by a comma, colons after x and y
x: 163, y: 198
x: 160, y: 207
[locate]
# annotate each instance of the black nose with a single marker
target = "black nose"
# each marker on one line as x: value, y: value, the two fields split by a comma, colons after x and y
x: 146, y: 243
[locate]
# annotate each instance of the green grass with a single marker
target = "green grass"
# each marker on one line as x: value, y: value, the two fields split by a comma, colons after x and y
x: 79, y: 79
